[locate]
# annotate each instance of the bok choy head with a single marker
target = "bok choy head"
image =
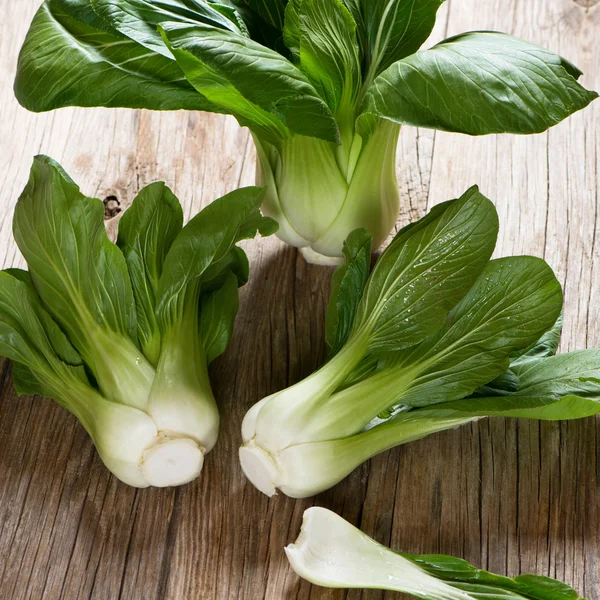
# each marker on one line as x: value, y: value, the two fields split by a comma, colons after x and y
x: 437, y: 335
x: 332, y: 553
x: 122, y: 335
x: 323, y: 85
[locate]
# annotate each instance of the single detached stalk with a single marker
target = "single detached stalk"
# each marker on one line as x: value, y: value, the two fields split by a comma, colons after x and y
x: 332, y: 553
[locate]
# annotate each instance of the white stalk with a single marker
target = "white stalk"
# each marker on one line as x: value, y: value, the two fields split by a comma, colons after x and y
x: 332, y: 553
x: 304, y: 469
x: 123, y: 373
x: 280, y: 421
x: 319, y: 192
x: 181, y: 401
x: 130, y: 444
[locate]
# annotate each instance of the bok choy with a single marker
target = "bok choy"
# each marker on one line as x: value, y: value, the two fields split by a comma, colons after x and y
x: 438, y: 335
x: 323, y: 85
x: 332, y: 553
x: 122, y: 335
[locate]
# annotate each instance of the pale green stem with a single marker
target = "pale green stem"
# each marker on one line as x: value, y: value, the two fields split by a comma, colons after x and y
x: 319, y: 192
x: 281, y: 420
x: 181, y: 400
x: 348, y: 411
x: 372, y: 200
x: 332, y: 553
x: 123, y: 373
x: 308, y: 469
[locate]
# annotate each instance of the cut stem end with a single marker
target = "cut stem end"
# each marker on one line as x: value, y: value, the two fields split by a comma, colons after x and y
x: 172, y: 462
x: 259, y: 468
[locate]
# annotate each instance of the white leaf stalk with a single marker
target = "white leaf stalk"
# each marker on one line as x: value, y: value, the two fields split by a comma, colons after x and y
x: 319, y: 192
x: 137, y: 447
x: 332, y: 553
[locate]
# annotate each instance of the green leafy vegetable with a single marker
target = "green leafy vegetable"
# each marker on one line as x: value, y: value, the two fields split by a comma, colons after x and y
x: 121, y: 335
x: 323, y: 85
x: 332, y: 553
x: 437, y: 336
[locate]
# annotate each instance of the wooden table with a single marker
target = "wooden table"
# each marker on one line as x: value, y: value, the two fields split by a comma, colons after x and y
x: 506, y: 495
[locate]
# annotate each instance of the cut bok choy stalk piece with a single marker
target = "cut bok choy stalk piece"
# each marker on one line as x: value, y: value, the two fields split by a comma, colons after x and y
x: 438, y: 335
x: 323, y: 85
x: 122, y: 335
x: 332, y: 553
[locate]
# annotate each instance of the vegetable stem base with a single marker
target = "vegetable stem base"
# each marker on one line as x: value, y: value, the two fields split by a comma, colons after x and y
x: 259, y: 468
x: 314, y: 258
x: 173, y: 461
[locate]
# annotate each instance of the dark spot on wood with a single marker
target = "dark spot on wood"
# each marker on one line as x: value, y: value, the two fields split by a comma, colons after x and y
x: 586, y: 3
x: 112, y: 207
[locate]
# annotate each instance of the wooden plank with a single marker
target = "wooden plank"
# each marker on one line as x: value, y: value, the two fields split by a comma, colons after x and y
x: 514, y: 497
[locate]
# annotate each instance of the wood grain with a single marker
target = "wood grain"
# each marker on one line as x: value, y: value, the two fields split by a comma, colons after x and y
x: 509, y: 496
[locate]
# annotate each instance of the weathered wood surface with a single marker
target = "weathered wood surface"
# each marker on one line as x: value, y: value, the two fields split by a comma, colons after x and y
x: 512, y: 497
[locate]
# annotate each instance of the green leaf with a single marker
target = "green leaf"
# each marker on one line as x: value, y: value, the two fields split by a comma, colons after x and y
x: 546, y: 346
x: 348, y: 282
x: 233, y: 14
x: 562, y: 408
x: 146, y: 232
x: 235, y: 262
x: 259, y: 30
x: 355, y: 10
x: 395, y: 28
x: 261, y: 88
x: 555, y: 376
x: 479, y: 83
x: 506, y: 383
x: 481, y: 585
x: 291, y: 28
x: 322, y: 36
x: 59, y: 342
x: 217, y: 315
x: 80, y: 275
x: 82, y: 280
x: 514, y: 300
x: 23, y: 337
x: 30, y: 337
x: 560, y: 387
x: 426, y: 270
x: 66, y: 61
x: 139, y: 19
x: 204, y: 246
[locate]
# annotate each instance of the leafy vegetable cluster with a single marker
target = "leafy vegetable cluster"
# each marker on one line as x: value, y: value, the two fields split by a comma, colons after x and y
x: 436, y: 336
x: 323, y: 85
x: 122, y: 335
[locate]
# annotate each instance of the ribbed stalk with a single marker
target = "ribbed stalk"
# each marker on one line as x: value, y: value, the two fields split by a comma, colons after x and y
x: 319, y: 192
